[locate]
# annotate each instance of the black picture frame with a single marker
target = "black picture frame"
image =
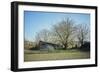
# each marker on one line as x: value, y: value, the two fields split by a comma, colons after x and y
x: 14, y: 35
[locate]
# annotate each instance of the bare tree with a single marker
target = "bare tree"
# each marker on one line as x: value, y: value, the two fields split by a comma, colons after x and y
x: 43, y: 35
x: 82, y: 33
x: 63, y: 31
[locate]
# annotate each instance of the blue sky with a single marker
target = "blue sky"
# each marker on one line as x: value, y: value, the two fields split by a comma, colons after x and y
x: 36, y: 21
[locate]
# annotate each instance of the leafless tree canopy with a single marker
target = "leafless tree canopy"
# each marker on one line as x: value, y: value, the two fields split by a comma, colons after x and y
x: 43, y: 35
x: 82, y: 32
x: 64, y: 32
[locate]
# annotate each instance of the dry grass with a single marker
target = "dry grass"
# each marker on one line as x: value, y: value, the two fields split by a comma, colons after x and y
x: 62, y: 55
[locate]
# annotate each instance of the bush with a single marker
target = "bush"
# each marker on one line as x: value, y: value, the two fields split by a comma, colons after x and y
x: 85, y: 46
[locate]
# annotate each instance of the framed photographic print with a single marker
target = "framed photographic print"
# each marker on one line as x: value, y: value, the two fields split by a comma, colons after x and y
x: 52, y: 36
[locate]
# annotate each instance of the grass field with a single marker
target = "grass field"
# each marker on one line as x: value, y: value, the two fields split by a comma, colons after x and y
x: 55, y: 55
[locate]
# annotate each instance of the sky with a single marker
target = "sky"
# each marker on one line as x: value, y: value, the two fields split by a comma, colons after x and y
x: 34, y: 21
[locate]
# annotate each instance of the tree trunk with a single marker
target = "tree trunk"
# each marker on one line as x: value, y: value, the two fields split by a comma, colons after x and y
x: 82, y: 42
x: 65, y: 46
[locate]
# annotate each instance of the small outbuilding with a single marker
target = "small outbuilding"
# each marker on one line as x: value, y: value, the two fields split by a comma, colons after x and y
x: 48, y: 46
